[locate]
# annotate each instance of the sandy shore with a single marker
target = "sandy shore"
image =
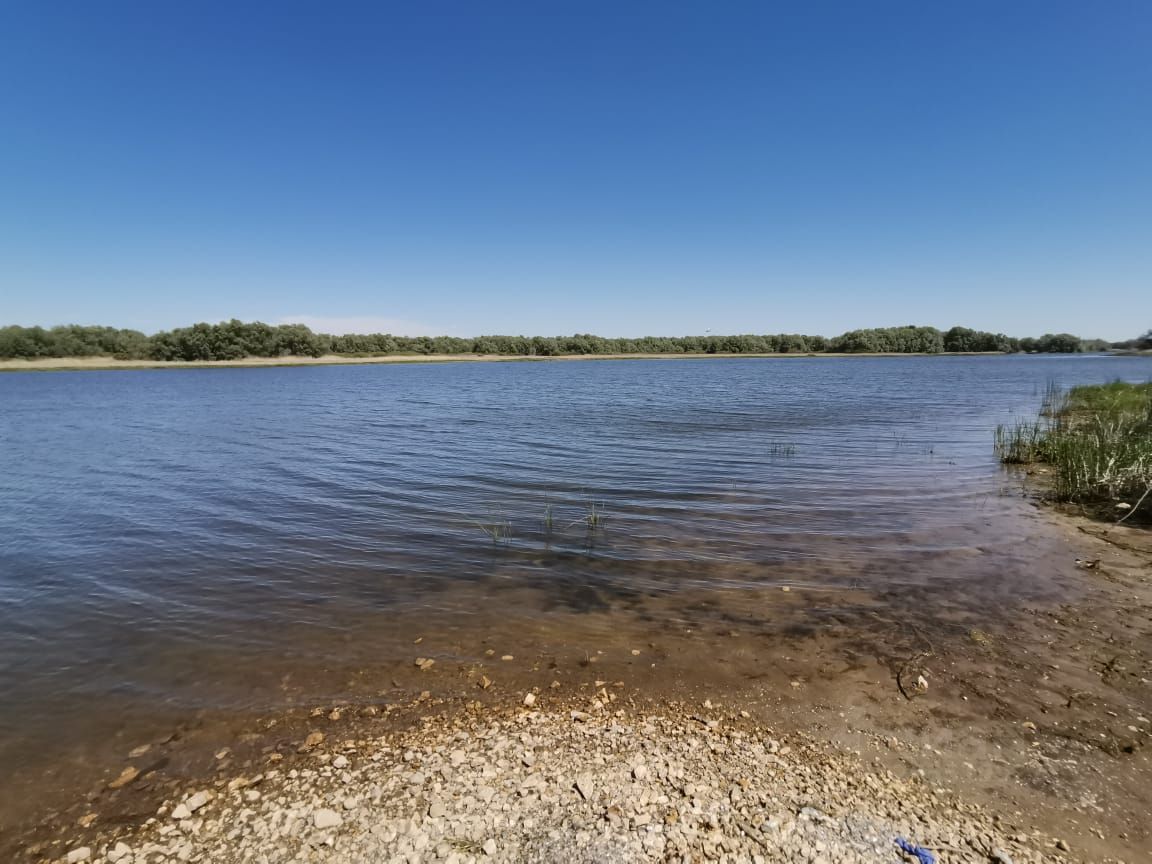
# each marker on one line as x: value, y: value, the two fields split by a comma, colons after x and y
x: 1021, y: 743
x: 61, y: 364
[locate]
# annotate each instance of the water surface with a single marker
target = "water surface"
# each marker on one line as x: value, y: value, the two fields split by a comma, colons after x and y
x: 178, y: 540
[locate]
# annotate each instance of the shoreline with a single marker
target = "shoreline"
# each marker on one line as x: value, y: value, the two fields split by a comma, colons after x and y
x: 1007, y: 748
x: 93, y: 364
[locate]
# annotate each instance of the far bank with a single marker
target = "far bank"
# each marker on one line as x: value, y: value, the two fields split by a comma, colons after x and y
x: 66, y: 364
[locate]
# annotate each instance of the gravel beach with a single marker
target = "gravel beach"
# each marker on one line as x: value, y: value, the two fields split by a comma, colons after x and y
x: 568, y: 786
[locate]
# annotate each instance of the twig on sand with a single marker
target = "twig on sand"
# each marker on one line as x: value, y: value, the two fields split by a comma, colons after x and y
x: 928, y: 651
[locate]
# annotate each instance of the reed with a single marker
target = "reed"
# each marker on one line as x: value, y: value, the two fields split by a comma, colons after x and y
x: 593, y: 518
x: 781, y: 450
x: 497, y: 528
x: 1097, y: 439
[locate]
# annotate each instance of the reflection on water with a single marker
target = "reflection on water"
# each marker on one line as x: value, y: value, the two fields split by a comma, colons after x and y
x: 175, y: 540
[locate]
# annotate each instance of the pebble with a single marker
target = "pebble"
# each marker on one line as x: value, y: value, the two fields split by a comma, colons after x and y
x: 325, y: 818
x: 77, y: 855
x: 584, y: 786
x: 126, y: 776
x: 197, y: 800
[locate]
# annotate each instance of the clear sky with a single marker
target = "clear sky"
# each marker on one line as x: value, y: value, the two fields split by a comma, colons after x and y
x: 622, y: 168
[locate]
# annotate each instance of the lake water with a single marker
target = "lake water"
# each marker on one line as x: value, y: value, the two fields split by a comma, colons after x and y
x: 174, y: 541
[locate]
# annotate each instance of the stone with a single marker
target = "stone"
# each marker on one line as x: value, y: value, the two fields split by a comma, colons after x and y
x: 340, y: 762
x: 1062, y: 846
x: 640, y: 772
x: 180, y: 812
x: 424, y: 663
x: 314, y: 740
x: 120, y: 850
x: 437, y: 810
x: 126, y: 776
x: 197, y: 800
x: 137, y: 752
x: 325, y: 818
x: 584, y: 786
x: 77, y: 855
x: 529, y: 700
x: 489, y: 846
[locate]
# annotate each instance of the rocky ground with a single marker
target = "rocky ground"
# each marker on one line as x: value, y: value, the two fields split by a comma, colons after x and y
x: 568, y: 786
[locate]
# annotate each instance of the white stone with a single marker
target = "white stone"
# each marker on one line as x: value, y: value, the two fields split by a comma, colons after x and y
x: 77, y: 855
x: 327, y: 819
x: 198, y: 800
x: 584, y: 786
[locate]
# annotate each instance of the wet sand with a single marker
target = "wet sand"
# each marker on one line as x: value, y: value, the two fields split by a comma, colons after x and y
x: 1041, y: 714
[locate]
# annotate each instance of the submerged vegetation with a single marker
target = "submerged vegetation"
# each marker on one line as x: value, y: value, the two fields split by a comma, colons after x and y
x: 1096, y: 439
x: 497, y: 527
x: 235, y: 340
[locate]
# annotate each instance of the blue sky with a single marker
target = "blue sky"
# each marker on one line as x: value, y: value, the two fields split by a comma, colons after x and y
x: 554, y: 167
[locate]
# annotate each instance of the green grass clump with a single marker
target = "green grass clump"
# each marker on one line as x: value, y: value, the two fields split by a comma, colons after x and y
x: 1097, y: 440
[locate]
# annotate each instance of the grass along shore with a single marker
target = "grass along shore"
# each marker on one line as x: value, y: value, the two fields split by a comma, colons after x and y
x: 1097, y: 441
x: 74, y: 364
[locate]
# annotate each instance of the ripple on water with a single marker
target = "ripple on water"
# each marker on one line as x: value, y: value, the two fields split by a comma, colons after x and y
x: 189, y: 538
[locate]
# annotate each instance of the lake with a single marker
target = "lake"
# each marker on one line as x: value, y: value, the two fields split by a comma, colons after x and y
x: 174, y: 542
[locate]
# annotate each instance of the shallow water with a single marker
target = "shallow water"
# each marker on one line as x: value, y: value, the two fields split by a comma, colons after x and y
x: 178, y: 540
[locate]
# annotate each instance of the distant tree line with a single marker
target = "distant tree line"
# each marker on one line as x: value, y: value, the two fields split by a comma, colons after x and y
x: 1140, y: 343
x: 232, y: 340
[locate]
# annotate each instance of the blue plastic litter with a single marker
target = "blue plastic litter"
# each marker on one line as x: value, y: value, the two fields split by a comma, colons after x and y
x: 922, y: 854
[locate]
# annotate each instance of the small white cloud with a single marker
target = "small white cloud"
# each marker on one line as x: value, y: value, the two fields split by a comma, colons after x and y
x: 365, y: 324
